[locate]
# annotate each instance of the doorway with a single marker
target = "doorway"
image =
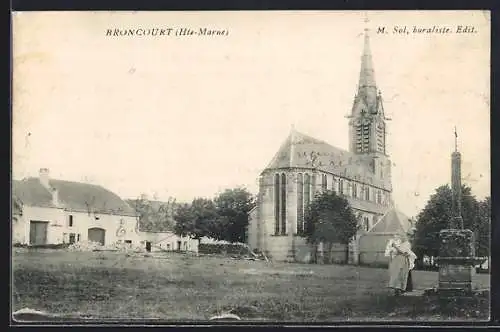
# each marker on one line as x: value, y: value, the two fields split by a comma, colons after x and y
x: 97, y: 235
x: 38, y: 232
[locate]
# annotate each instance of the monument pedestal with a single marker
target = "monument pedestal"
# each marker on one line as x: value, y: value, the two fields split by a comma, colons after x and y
x: 456, y: 261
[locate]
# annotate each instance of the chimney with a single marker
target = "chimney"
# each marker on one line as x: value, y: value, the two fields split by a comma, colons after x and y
x: 55, y: 196
x: 44, y: 177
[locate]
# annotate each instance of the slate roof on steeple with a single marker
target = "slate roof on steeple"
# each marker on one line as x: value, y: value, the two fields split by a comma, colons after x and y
x: 302, y: 151
x: 393, y: 221
x: 72, y: 196
x: 367, y: 87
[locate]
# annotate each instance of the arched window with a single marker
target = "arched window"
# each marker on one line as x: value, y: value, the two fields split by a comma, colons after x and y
x: 300, y: 203
x: 313, y: 185
x: 307, y: 190
x: 283, y: 204
x: 276, y: 204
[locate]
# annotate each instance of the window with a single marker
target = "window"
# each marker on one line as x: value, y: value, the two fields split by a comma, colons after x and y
x: 366, y: 223
x: 367, y: 193
x: 324, y: 182
x: 379, y: 197
x: 354, y: 190
x: 128, y: 241
x: 341, y: 187
x: 276, y: 204
x: 70, y: 220
x: 71, y: 238
x: 313, y: 185
x: 307, y: 190
x: 300, y: 203
x: 78, y: 237
x: 168, y: 246
x: 283, y: 204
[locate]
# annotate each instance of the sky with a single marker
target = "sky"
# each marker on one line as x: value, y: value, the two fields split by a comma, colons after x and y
x: 189, y: 116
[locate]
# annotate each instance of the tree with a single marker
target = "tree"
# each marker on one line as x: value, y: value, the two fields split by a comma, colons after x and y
x: 483, y: 233
x: 233, y: 207
x: 153, y: 216
x: 196, y: 219
x: 437, y: 214
x: 329, y: 219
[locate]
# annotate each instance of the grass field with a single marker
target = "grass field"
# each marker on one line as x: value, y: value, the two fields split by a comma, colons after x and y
x: 112, y: 285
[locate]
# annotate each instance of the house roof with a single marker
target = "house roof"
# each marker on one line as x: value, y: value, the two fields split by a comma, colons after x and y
x: 393, y: 221
x: 368, y: 206
x: 302, y: 151
x: 73, y: 196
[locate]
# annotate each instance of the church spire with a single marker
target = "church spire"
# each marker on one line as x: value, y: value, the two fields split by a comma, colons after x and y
x: 367, y: 88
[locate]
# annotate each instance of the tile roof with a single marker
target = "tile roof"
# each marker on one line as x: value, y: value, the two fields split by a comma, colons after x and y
x: 303, y: 151
x: 394, y: 221
x: 73, y: 196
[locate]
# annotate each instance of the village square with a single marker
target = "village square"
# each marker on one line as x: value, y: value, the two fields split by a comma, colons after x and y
x: 321, y: 239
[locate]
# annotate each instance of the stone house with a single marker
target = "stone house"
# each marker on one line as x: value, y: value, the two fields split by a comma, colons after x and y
x: 51, y: 211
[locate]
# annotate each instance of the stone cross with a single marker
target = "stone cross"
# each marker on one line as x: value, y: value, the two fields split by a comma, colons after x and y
x: 456, y: 221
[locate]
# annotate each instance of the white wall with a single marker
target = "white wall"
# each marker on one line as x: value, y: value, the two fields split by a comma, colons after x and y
x: 82, y: 221
x: 167, y: 241
x: 54, y: 217
x: 58, y: 229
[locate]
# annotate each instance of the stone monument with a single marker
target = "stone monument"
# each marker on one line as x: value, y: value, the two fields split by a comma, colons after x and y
x: 456, y: 259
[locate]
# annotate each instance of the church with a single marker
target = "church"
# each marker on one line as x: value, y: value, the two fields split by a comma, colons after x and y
x: 304, y: 166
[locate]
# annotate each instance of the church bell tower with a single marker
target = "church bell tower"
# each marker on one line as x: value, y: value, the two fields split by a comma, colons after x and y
x: 367, y: 122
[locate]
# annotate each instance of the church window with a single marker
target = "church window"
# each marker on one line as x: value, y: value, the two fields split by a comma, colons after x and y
x: 300, y: 203
x: 366, y: 223
x: 354, y: 190
x: 283, y: 204
x: 276, y: 204
x: 307, y: 190
x: 367, y: 193
x: 313, y: 185
x: 324, y: 182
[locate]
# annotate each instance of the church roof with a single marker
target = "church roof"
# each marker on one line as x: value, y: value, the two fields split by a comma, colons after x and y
x: 394, y: 221
x: 302, y: 151
x: 73, y: 196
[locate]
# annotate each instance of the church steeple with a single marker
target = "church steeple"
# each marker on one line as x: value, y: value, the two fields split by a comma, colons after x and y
x: 367, y: 87
x: 367, y: 120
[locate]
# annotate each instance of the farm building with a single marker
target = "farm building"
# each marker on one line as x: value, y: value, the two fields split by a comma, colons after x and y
x: 49, y: 211
x: 156, y: 225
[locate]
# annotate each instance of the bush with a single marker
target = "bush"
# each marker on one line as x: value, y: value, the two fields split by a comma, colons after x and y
x: 223, y: 248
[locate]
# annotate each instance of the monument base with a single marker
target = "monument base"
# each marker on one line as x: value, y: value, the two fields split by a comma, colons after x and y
x: 456, y: 262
